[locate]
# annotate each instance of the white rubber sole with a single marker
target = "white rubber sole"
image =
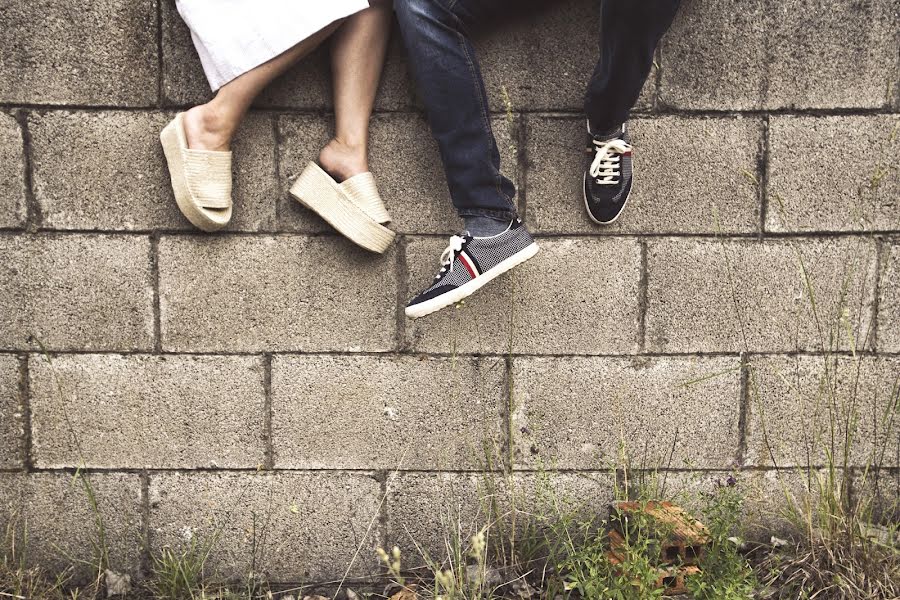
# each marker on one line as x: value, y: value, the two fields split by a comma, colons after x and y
x: 317, y: 191
x: 587, y: 208
x: 467, y: 289
x: 173, y: 140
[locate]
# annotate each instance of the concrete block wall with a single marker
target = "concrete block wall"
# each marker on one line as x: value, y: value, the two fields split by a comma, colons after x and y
x: 263, y: 383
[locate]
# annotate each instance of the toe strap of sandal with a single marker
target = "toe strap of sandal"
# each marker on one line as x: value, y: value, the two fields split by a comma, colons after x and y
x: 363, y: 192
x: 209, y: 177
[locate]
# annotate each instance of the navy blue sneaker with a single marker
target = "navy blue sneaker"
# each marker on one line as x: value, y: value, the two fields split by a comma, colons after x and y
x: 607, y: 181
x: 469, y: 263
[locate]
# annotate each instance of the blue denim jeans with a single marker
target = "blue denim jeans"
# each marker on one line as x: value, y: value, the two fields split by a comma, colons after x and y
x: 443, y: 62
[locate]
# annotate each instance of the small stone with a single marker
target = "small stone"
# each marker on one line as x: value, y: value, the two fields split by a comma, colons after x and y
x: 117, y: 584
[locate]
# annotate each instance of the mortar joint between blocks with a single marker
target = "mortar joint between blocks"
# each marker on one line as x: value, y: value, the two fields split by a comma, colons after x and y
x: 26, y: 441
x: 34, y: 215
x: 743, y: 410
x: 146, y: 560
x: 643, y: 299
x: 762, y: 174
x: 269, y: 457
x: 154, y: 277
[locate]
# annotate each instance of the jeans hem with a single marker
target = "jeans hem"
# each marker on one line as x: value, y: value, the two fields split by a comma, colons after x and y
x: 500, y: 215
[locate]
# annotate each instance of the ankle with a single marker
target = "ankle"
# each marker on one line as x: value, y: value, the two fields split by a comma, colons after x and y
x: 208, y: 127
x: 343, y: 160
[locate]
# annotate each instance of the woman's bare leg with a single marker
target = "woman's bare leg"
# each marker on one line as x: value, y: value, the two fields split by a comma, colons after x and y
x: 211, y: 126
x: 357, y: 58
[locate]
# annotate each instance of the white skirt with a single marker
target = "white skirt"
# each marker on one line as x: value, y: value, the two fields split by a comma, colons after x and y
x: 235, y: 36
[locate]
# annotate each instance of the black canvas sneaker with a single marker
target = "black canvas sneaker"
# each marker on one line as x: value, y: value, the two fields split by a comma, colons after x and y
x: 469, y: 263
x: 607, y: 181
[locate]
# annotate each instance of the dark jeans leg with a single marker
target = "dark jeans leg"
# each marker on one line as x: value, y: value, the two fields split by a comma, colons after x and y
x: 446, y: 69
x: 629, y: 33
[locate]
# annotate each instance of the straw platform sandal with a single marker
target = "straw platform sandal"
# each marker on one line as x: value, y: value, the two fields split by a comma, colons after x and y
x: 201, y: 179
x: 318, y: 191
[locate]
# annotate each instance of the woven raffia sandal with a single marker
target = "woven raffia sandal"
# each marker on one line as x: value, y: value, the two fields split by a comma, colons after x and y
x: 361, y: 189
x: 201, y: 179
x: 318, y: 191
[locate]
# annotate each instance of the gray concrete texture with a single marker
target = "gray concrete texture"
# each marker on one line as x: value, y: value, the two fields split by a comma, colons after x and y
x: 589, y: 413
x: 809, y: 192
x: 889, y: 305
x: 365, y: 412
x: 283, y: 293
x: 142, y: 411
x: 52, y: 515
x: 262, y: 385
x: 12, y: 422
x: 288, y: 526
x: 772, y: 295
x: 804, y: 409
x: 46, y: 59
x: 75, y: 292
x: 13, y: 210
x: 765, y: 54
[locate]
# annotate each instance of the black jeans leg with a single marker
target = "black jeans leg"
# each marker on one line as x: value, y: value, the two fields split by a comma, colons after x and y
x: 443, y: 62
x: 629, y: 33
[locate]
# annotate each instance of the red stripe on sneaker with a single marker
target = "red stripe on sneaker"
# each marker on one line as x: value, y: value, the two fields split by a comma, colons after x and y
x: 468, y: 264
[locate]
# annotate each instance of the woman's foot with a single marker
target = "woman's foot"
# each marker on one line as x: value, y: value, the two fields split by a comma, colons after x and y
x: 342, y: 161
x: 206, y: 128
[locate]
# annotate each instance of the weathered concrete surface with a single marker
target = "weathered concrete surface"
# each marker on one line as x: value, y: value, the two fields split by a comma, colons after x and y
x: 12, y: 173
x: 543, y: 56
x: 765, y: 54
x: 405, y: 161
x: 727, y: 296
x: 100, y: 53
x: 367, y: 412
x: 75, y: 292
x: 12, y: 422
x: 809, y: 190
x: 889, y: 304
x: 290, y: 526
x: 121, y: 182
x: 679, y: 186
x: 262, y: 294
x: 305, y: 86
x: 144, y: 411
x: 583, y: 413
x: 577, y: 296
x: 802, y: 409
x: 62, y: 528
x: 433, y: 509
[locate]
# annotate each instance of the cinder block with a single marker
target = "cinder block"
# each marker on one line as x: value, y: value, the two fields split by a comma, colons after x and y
x: 679, y: 187
x: 104, y: 53
x: 577, y: 296
x: 141, y: 411
x: 406, y: 164
x: 367, y: 412
x: 802, y: 409
x: 121, y: 181
x: 582, y: 413
x: 544, y: 56
x: 305, y: 86
x: 12, y: 173
x: 54, y: 513
x: 889, y: 301
x: 75, y: 292
x: 291, y: 527
x: 11, y: 417
x: 707, y: 295
x: 275, y: 293
x: 428, y: 511
x: 766, y: 54
x: 811, y: 191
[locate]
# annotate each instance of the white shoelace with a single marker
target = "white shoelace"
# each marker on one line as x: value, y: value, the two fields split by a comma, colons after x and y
x: 455, y: 246
x: 607, y: 162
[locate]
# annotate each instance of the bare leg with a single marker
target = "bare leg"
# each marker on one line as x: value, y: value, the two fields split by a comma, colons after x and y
x: 211, y: 126
x: 357, y: 58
